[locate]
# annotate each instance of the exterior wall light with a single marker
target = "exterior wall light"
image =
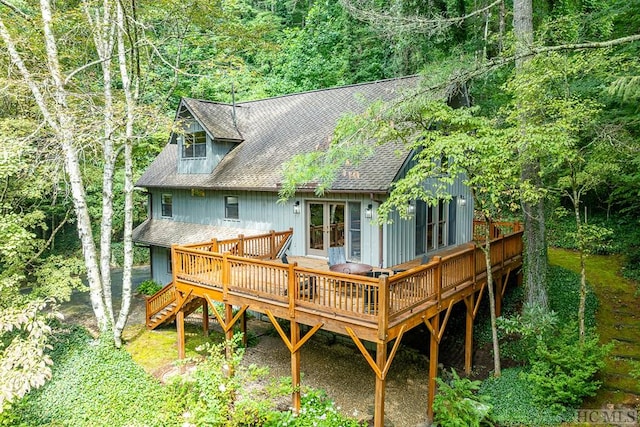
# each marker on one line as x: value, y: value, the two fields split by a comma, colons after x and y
x: 462, y: 201
x: 411, y: 208
x: 296, y: 208
x: 368, y: 212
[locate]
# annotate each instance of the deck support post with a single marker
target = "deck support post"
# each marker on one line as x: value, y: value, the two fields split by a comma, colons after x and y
x: 205, y: 317
x: 468, y: 337
x: 243, y: 328
x: 433, y: 362
x: 228, y: 334
x: 498, y: 294
x: 295, y: 365
x: 180, y: 329
x: 381, y: 383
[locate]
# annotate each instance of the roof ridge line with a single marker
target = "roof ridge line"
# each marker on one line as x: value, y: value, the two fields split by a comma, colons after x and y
x: 240, y: 103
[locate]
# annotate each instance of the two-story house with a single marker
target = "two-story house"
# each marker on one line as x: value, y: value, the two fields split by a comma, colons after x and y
x: 220, y: 178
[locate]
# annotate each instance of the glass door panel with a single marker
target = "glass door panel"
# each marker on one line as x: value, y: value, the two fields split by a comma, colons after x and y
x: 336, y: 224
x: 315, y: 243
x: 325, y: 228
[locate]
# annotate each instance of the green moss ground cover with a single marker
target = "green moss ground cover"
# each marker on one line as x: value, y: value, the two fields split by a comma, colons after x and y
x: 618, y: 321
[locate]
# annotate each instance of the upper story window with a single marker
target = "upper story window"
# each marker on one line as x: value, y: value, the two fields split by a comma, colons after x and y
x: 167, y: 205
x: 194, y: 145
x: 231, y: 207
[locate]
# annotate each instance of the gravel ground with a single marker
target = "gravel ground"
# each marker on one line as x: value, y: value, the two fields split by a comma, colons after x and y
x: 338, y: 368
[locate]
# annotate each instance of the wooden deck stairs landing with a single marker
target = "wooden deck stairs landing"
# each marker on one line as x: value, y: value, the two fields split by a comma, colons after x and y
x: 162, y: 307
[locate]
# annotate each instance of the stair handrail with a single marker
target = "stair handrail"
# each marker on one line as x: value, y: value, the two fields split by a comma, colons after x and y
x: 156, y: 302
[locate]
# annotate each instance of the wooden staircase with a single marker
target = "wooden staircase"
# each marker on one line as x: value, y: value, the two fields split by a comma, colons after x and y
x: 161, y: 307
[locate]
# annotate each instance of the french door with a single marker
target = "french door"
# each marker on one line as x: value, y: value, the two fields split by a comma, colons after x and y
x: 325, y: 226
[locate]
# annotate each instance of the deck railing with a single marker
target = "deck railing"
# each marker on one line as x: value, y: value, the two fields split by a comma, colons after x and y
x: 376, y: 301
x: 263, y: 246
x: 277, y: 283
x: 496, y: 229
x: 160, y: 300
x: 432, y: 281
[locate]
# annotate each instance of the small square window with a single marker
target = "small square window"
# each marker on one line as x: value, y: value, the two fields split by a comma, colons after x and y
x: 167, y: 205
x: 231, y: 207
x: 194, y: 145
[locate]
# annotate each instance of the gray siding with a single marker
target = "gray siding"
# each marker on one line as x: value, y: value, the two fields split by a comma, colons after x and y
x: 399, y: 237
x: 159, y: 265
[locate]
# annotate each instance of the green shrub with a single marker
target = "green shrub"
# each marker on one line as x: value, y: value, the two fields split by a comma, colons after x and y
x: 215, y: 393
x: 457, y: 405
x: 524, y: 331
x: 148, y: 287
x: 563, y: 370
x: 316, y: 410
x: 513, y: 402
x: 94, y: 384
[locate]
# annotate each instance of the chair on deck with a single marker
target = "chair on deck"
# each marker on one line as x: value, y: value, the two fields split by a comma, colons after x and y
x: 337, y: 255
x: 307, y: 287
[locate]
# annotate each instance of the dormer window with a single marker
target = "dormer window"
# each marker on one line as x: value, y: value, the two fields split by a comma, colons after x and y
x: 195, y: 145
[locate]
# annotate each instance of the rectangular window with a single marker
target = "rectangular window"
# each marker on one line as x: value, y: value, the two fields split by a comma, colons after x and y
x: 421, y: 227
x: 197, y: 192
x: 453, y: 204
x: 431, y: 229
x: 169, y: 263
x: 355, y: 231
x: 231, y: 207
x: 194, y: 145
x: 442, y: 224
x: 167, y: 205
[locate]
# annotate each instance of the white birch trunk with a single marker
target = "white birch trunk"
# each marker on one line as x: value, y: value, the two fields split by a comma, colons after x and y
x: 103, y: 38
x: 128, y: 180
x: 65, y: 135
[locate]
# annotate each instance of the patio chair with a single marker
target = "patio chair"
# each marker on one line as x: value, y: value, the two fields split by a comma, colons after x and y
x: 337, y: 255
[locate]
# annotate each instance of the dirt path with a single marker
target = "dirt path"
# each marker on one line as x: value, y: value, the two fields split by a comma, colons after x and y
x: 618, y: 320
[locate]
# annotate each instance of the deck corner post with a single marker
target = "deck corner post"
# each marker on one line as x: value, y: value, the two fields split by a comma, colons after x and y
x: 214, y: 245
x: 433, y: 364
x: 240, y: 244
x: 228, y: 334
x: 174, y: 263
x: 180, y: 330
x: 291, y: 290
x: 272, y: 244
x: 468, y: 339
x: 295, y: 365
x: 225, y: 275
x: 381, y: 382
x: 383, y: 307
x: 438, y: 278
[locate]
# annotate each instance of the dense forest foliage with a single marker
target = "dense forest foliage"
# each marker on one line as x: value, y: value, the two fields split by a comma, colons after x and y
x: 115, y: 86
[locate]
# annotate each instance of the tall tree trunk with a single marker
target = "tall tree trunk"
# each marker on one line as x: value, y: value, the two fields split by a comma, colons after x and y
x: 497, y: 371
x: 575, y: 198
x: 130, y: 101
x: 103, y: 37
x: 535, y: 256
x: 72, y: 166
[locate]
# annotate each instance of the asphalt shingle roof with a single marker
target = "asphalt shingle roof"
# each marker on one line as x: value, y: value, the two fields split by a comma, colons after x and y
x: 273, y: 130
x: 165, y: 232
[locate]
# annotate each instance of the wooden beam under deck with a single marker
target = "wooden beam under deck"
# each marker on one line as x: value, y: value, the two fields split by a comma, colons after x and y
x: 376, y: 310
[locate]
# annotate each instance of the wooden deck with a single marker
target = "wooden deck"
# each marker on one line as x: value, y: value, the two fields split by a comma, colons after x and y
x: 304, y: 292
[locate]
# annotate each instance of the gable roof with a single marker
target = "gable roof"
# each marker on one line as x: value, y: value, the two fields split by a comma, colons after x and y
x: 273, y: 130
